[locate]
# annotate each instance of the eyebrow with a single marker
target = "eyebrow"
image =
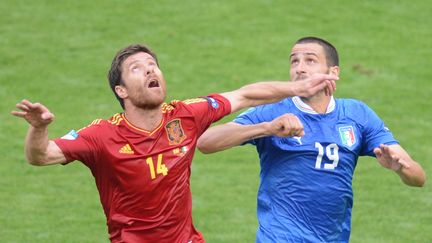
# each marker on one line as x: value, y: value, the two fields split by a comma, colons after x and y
x: 307, y: 53
x: 135, y: 61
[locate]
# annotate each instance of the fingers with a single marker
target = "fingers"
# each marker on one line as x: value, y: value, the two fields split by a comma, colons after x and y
x: 377, y: 152
x: 23, y: 105
x: 35, y: 114
x: 288, y: 125
x: 322, y: 76
x: 330, y: 88
x: 322, y: 82
x: 390, y: 159
x: 18, y: 113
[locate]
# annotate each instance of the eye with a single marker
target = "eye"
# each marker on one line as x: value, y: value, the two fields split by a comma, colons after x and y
x: 294, y: 61
x: 311, y: 61
x: 135, y: 69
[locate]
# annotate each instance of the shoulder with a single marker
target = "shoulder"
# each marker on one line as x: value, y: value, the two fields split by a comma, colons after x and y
x: 212, y: 101
x: 181, y: 105
x: 357, y: 110
x: 283, y: 106
x: 269, y: 111
x: 98, y: 125
x: 353, y: 105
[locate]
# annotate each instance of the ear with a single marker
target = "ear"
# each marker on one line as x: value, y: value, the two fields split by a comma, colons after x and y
x: 334, y: 70
x: 121, y: 91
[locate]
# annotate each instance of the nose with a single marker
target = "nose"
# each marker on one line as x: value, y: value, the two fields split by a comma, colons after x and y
x: 149, y: 70
x: 300, y: 68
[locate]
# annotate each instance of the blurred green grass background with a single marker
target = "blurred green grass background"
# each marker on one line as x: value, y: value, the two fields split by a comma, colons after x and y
x: 58, y: 53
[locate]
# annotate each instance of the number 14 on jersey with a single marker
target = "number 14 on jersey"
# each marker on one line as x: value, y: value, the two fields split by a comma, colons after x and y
x: 160, y: 167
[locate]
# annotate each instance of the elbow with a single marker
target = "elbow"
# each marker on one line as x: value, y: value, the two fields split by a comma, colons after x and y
x: 204, y: 147
x: 417, y: 182
x: 36, y: 161
x: 421, y: 182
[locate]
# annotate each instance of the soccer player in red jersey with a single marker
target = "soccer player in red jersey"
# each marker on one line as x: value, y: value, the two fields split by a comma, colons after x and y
x: 141, y: 158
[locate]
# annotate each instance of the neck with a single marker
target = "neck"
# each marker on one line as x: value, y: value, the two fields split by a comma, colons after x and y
x: 147, y: 119
x: 318, y: 102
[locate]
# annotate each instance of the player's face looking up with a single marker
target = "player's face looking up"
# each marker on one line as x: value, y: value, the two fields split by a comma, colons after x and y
x: 144, y: 85
x: 307, y: 59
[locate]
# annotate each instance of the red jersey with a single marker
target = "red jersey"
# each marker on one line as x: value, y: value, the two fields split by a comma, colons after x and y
x: 143, y: 177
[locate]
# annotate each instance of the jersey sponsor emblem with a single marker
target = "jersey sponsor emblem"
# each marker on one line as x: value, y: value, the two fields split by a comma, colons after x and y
x: 175, y: 132
x: 72, y: 135
x: 213, y: 102
x: 126, y: 149
x: 347, y: 135
x: 298, y: 139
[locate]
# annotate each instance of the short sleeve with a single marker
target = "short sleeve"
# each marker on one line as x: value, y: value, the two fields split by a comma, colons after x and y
x: 250, y: 117
x: 207, y: 110
x: 81, y: 145
x: 374, y: 132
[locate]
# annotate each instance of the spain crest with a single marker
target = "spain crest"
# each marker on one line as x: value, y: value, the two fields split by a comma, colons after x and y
x: 175, y: 132
x: 347, y: 135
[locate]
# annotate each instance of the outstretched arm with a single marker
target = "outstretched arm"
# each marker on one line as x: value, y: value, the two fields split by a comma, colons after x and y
x: 231, y: 134
x: 395, y: 158
x: 38, y: 148
x: 270, y: 92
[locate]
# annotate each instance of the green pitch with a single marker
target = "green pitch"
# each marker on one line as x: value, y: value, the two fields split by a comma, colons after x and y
x: 58, y: 53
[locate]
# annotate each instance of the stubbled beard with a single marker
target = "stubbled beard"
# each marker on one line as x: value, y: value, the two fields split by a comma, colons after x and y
x: 301, y: 77
x: 149, y: 105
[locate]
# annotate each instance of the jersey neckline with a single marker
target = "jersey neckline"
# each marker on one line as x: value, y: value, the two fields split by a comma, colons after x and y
x: 302, y: 106
x: 130, y: 125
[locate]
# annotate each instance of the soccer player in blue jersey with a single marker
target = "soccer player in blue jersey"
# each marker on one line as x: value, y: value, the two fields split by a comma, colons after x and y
x: 308, y: 149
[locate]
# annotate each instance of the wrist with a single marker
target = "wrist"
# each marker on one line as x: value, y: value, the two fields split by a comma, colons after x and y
x: 265, y: 126
x: 39, y: 128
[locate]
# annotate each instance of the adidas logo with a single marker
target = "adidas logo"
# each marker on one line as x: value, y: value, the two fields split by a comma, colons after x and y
x: 126, y: 150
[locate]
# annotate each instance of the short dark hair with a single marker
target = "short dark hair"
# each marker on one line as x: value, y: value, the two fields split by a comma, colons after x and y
x: 330, y: 51
x: 115, y: 73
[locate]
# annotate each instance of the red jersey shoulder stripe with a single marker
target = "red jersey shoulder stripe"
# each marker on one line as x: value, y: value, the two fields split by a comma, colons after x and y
x: 115, y: 119
x: 168, y: 107
x: 193, y: 101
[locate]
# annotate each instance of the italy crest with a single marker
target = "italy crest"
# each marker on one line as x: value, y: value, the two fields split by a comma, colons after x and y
x: 347, y: 135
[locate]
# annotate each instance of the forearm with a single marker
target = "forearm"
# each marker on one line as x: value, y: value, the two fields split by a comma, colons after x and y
x: 273, y: 91
x: 228, y: 135
x: 36, y: 145
x: 260, y: 93
x: 413, y: 175
x: 268, y: 92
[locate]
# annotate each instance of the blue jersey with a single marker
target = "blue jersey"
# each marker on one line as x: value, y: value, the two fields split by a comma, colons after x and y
x: 305, y: 193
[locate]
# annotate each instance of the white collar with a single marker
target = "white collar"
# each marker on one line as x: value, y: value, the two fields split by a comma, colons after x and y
x: 306, y: 108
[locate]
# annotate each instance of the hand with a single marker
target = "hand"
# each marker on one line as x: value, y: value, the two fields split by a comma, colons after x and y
x: 36, y: 114
x: 389, y: 158
x: 287, y: 125
x: 316, y: 83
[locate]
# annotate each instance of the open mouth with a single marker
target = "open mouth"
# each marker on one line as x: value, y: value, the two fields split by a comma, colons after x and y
x: 153, y: 84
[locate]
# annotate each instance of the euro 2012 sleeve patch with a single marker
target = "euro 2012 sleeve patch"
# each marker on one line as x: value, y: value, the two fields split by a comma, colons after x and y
x: 214, y: 103
x: 72, y: 135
